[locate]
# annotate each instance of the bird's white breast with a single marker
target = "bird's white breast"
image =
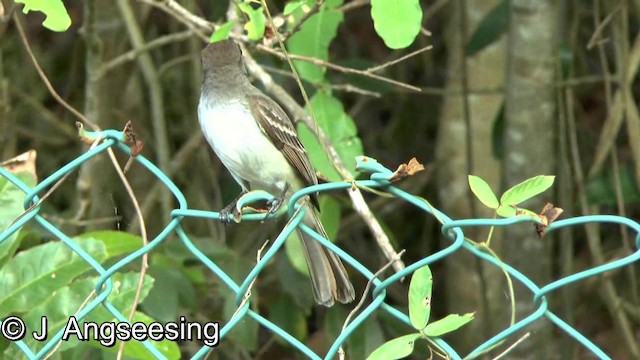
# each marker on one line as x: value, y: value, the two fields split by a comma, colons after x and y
x: 243, y: 148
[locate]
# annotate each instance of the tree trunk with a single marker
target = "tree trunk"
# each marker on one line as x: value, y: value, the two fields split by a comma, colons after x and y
x: 530, y: 150
x: 471, y: 284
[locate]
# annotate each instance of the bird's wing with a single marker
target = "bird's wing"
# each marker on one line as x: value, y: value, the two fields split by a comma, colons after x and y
x: 275, y: 123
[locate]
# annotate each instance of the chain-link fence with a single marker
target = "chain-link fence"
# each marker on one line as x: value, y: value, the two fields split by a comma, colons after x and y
x: 452, y: 229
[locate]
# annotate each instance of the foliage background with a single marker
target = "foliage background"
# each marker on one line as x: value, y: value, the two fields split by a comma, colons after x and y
x: 511, y: 89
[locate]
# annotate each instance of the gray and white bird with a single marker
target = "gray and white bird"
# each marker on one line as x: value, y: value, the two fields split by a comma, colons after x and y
x: 258, y: 143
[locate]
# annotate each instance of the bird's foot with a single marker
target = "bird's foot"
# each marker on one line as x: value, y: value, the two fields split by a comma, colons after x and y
x: 231, y: 213
x: 275, y: 203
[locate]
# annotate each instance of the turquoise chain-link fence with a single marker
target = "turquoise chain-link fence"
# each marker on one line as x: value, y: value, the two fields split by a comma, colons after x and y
x: 379, y: 178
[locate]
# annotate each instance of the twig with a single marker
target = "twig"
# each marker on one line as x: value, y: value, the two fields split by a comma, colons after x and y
x: 134, y: 53
x: 340, y: 68
x: 596, y: 36
x: 381, y: 237
x: 402, y: 58
x: 45, y: 80
x: 247, y: 293
x: 193, y: 22
x: 314, y: 10
x: 513, y: 346
x: 364, y: 296
x: 145, y: 241
x: 179, y: 11
x: 356, y: 90
x: 353, y: 5
x: 340, y: 87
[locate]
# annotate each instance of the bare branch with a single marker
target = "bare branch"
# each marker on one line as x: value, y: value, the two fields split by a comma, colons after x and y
x: 134, y: 53
x: 343, y: 69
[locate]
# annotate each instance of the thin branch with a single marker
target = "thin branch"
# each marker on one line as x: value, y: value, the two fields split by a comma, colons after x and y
x: 340, y: 87
x: 353, y: 5
x: 45, y: 79
x: 402, y: 58
x: 354, y: 89
x: 343, y: 69
x: 314, y: 10
x: 364, y: 296
x: 134, y: 53
x: 596, y: 37
x: 177, y: 11
x: 145, y: 241
x: 513, y: 346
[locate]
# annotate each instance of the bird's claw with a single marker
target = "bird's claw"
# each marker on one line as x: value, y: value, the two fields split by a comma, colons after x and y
x: 274, y: 205
x: 231, y: 213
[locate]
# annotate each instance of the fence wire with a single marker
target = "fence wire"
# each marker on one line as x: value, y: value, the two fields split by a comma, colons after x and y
x: 379, y: 178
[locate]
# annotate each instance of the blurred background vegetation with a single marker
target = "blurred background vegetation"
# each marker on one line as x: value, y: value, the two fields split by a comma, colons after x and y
x: 509, y: 90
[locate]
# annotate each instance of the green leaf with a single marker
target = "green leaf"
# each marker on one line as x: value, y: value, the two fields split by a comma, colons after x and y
x: 450, y: 323
x: 135, y: 350
x: 313, y: 39
x: 397, y: 22
x: 57, y: 17
x: 33, y: 275
x: 601, y: 188
x: 364, y: 341
x: 289, y: 317
x: 497, y: 131
x: 330, y: 215
x: 295, y: 283
x: 116, y: 242
x: 163, y: 300
x: 492, y: 26
x: 12, y: 206
x: 341, y: 130
x: 483, y: 192
x: 256, y: 24
x: 506, y: 211
x: 420, y: 297
x: 294, y: 5
x: 222, y: 33
x: 361, y: 81
x: 527, y: 189
x: 396, y: 348
x: 295, y: 254
x: 66, y: 302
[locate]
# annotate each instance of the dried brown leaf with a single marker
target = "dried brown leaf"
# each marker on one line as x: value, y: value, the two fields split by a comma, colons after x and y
x: 25, y: 162
x: 131, y: 138
x: 547, y: 216
x: 408, y: 169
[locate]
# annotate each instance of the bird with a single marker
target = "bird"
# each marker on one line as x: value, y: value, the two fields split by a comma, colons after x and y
x: 258, y: 144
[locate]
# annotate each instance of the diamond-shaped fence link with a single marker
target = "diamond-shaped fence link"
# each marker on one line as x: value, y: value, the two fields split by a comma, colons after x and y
x: 452, y: 229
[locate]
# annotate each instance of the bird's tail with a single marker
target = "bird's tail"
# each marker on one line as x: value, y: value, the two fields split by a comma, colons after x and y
x: 328, y: 276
